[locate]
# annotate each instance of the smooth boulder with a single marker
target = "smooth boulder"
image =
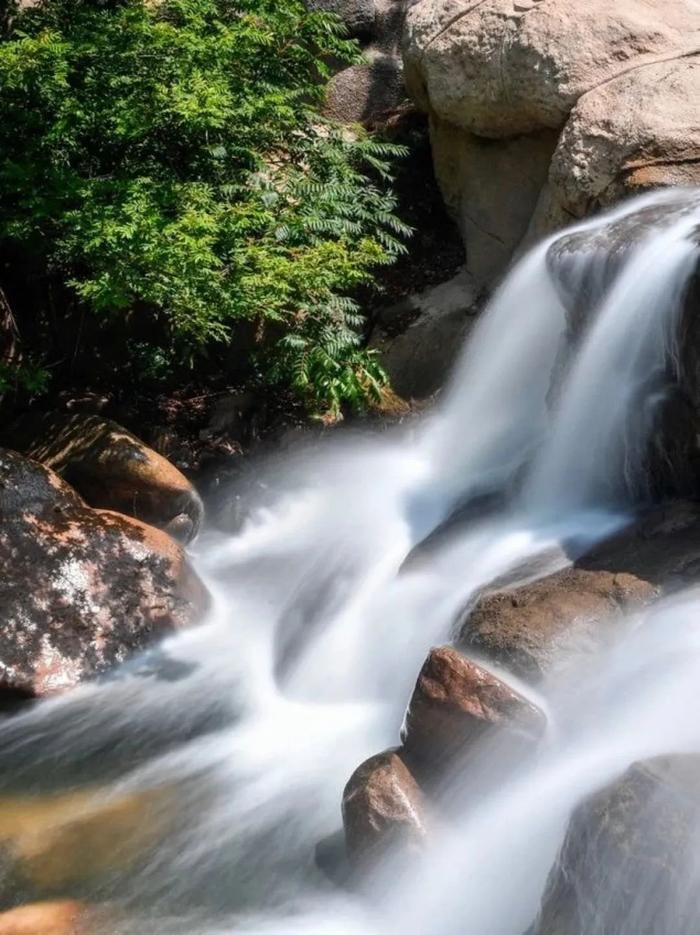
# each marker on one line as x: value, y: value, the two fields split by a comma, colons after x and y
x: 456, y: 702
x: 112, y: 469
x: 84, y: 589
x: 543, y: 112
x: 383, y: 810
x: 534, y: 629
x: 628, y: 864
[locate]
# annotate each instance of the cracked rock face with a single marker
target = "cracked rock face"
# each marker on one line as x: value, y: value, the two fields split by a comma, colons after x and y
x: 84, y: 589
x: 614, y: 83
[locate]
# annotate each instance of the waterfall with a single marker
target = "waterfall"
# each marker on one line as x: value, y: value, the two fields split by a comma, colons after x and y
x: 596, y: 448
x: 319, y: 628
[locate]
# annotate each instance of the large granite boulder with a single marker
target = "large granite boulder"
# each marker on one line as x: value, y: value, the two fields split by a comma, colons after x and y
x: 112, y: 469
x: 534, y: 629
x: 628, y: 864
x: 636, y: 132
x: 83, y: 589
x: 582, y: 103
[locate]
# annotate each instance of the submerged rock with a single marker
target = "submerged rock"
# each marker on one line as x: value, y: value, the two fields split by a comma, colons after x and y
x: 113, y: 470
x: 383, y: 810
x: 533, y: 628
x: 455, y: 702
x: 83, y: 589
x: 57, y: 843
x: 628, y: 865
x: 67, y: 917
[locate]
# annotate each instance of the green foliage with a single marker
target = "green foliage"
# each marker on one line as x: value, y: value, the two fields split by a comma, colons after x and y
x: 28, y: 377
x: 166, y: 158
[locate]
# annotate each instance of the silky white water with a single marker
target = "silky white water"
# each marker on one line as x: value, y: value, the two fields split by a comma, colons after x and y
x: 255, y: 721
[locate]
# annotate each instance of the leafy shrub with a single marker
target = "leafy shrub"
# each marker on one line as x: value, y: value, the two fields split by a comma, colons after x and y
x: 29, y: 377
x: 166, y: 158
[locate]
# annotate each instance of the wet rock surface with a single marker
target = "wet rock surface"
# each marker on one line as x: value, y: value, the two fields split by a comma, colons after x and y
x: 87, y: 589
x: 112, y: 469
x: 58, y: 844
x: 533, y: 628
x: 383, y: 809
x: 585, y: 264
x: 627, y: 865
x: 584, y: 267
x: 455, y: 702
x: 67, y: 917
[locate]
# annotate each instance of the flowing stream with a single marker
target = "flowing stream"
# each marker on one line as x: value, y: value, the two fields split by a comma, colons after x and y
x: 224, y: 753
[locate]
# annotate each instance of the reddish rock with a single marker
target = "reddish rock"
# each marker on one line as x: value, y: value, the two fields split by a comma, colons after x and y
x: 113, y: 470
x: 383, y: 808
x: 455, y: 702
x: 50, y: 918
x: 83, y: 588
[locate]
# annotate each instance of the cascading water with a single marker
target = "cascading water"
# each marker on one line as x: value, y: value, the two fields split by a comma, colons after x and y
x: 244, y: 731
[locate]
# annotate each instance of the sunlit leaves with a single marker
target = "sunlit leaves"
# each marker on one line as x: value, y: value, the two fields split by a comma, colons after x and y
x: 169, y: 158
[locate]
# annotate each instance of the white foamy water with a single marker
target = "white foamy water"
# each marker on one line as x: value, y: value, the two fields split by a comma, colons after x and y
x: 258, y: 718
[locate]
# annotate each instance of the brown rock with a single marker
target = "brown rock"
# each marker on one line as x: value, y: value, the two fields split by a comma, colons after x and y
x: 628, y: 862
x: 532, y: 628
x: 113, y: 469
x: 50, y: 918
x: 383, y: 809
x: 88, y: 587
x: 455, y: 702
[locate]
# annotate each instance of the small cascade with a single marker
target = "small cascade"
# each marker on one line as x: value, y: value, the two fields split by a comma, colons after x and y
x: 320, y: 625
x: 610, y: 397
